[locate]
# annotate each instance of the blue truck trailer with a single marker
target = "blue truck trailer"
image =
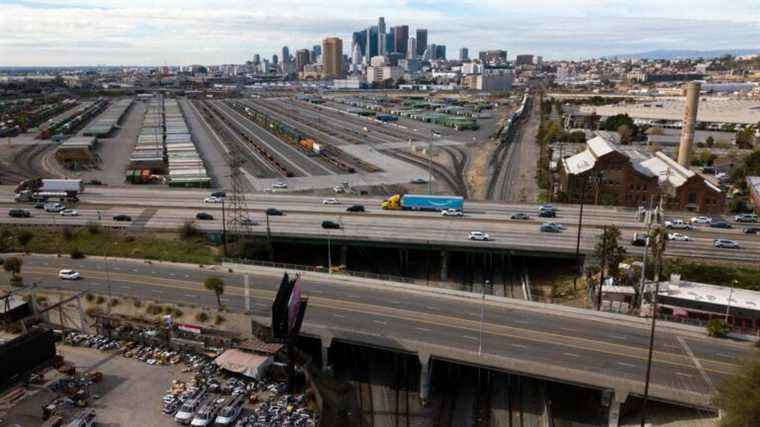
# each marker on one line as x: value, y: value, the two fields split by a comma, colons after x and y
x: 423, y: 202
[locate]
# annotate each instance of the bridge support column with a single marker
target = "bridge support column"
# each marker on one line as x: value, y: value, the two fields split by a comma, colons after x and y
x: 344, y: 256
x: 618, y: 398
x: 425, y: 374
x: 444, y: 265
x: 326, y: 343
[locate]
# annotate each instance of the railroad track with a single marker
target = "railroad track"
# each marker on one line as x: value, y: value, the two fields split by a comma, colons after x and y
x: 438, y: 170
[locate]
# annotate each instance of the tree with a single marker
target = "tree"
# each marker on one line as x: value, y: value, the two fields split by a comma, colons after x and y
x: 745, y: 139
x: 216, y: 285
x: 614, y: 122
x: 717, y: 328
x: 626, y: 134
x: 24, y: 237
x: 609, y: 252
x: 13, y: 265
x: 738, y: 395
x: 710, y: 141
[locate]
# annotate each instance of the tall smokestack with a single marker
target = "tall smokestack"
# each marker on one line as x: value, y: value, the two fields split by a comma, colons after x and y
x: 689, y: 120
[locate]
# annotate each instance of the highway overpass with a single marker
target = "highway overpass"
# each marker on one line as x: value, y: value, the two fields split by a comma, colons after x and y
x: 598, y: 350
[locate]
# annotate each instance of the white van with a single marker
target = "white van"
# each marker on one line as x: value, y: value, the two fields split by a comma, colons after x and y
x: 187, y: 410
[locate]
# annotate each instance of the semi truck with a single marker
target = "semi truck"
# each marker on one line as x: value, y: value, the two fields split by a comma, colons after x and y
x: 33, y: 190
x: 423, y: 202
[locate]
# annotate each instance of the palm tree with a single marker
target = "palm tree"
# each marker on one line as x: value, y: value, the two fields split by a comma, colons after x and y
x: 13, y: 265
x: 216, y: 285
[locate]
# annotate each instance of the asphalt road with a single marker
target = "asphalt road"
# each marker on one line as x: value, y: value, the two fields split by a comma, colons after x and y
x: 167, y: 209
x: 615, y: 347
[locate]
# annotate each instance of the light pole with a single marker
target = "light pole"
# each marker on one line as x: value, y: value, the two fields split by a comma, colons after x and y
x: 329, y: 254
x: 430, y: 166
x: 730, y: 294
x: 642, y: 283
x: 578, y: 240
x: 482, y: 315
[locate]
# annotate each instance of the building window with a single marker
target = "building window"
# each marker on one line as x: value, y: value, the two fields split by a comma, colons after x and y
x: 692, y: 198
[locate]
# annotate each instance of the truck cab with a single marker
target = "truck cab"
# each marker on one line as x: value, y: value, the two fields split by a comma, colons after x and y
x: 392, y: 202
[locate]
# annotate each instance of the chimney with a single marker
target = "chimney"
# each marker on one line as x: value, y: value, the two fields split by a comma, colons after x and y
x: 689, y: 120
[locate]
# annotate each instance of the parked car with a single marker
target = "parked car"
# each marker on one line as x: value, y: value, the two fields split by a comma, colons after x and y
x: 280, y: 184
x: 478, y: 235
x: 330, y: 224
x: 19, y: 213
x: 69, y: 212
x: 678, y: 237
x: 451, y: 212
x: 204, y: 216
x: 726, y: 243
x: 720, y: 224
x: 677, y: 224
x: 752, y: 230
x: 54, y: 207
x: 122, y: 217
x: 330, y: 201
x: 274, y: 212
x: 339, y: 189
x: 550, y: 227
x: 700, y: 220
x: 419, y: 180
x: 218, y: 194
x: 213, y: 199
x: 39, y: 205
x: 355, y: 208
x: 67, y: 274
x: 745, y: 217
x: 519, y: 215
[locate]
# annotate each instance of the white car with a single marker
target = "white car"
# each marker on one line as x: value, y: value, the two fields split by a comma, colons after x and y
x: 330, y: 201
x: 339, y: 189
x: 701, y: 220
x: 280, y: 184
x: 69, y: 275
x: 677, y: 223
x: 479, y: 235
x: 451, y: 212
x: 678, y: 237
x: 213, y: 199
x: 726, y: 243
x: 69, y: 212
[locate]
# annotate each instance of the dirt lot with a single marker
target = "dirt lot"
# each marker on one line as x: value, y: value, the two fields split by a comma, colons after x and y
x: 127, y: 385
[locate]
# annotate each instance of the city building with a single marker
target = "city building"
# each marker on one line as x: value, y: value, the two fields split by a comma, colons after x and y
x: 523, y: 60
x: 302, y: 59
x: 400, y: 39
x: 316, y: 54
x: 411, y: 48
x: 753, y: 183
x: 410, y: 65
x: 464, y: 54
x: 372, y: 44
x: 381, y: 74
x: 274, y: 59
x: 285, y: 55
x: 422, y: 41
x: 381, y: 42
x: 360, y: 38
x: 622, y: 175
x: 440, y: 52
x: 332, y: 58
x: 493, y: 57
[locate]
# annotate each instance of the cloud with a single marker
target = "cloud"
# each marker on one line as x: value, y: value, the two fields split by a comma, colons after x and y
x: 83, y: 32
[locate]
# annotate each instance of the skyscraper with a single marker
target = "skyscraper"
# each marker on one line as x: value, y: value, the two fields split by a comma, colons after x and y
x: 440, y: 51
x: 411, y: 48
x: 381, y: 36
x: 256, y: 59
x: 316, y: 51
x: 372, y: 40
x: 332, y: 59
x: 274, y: 59
x: 422, y: 41
x: 356, y: 54
x: 388, y: 43
x: 400, y: 38
x: 464, y: 54
x: 285, y: 55
x: 360, y: 38
x: 302, y: 58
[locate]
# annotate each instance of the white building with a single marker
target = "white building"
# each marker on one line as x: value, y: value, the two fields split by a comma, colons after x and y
x: 381, y: 74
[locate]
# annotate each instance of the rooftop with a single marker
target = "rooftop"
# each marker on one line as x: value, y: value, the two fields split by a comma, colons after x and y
x: 713, y: 294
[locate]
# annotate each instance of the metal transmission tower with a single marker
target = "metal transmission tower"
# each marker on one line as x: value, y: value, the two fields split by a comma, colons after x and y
x: 235, y: 219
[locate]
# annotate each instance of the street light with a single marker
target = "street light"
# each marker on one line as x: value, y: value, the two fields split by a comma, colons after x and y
x: 487, y: 284
x: 329, y: 254
x: 734, y: 283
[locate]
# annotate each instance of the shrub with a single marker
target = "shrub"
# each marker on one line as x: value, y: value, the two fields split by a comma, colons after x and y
x: 41, y: 299
x: 100, y: 300
x: 201, y: 317
x: 92, y: 311
x: 153, y: 309
x: 218, y: 319
x: 93, y: 227
x: 89, y: 297
x: 77, y: 254
x: 16, y: 281
x: 138, y: 303
x: 168, y: 309
x: 24, y: 237
x: 188, y: 230
x: 717, y: 328
x: 114, y: 302
x: 178, y: 312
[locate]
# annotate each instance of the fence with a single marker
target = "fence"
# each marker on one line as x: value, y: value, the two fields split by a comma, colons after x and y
x: 319, y: 269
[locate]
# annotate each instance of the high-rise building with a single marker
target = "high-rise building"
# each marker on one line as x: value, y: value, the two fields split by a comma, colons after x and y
x: 411, y: 48
x: 400, y: 38
x: 422, y: 41
x: 274, y: 59
x: 464, y: 54
x: 356, y: 55
x: 316, y: 52
x: 285, y: 55
x: 360, y: 38
x: 440, y: 51
x: 372, y: 47
x: 256, y: 59
x: 381, y: 35
x: 524, y: 60
x: 388, y: 43
x: 332, y: 59
x: 494, y: 57
x: 302, y: 58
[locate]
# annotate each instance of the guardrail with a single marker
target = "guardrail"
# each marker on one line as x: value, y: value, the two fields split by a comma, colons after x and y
x: 320, y: 269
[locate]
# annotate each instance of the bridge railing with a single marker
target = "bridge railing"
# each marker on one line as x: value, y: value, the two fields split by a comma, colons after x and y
x: 319, y: 269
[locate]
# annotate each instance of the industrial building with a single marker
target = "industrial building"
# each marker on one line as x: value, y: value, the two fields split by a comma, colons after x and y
x: 109, y: 120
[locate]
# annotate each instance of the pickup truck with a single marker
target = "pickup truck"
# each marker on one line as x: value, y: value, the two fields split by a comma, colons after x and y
x: 677, y: 224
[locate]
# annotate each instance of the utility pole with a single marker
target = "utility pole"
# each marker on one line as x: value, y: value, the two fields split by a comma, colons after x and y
x: 430, y: 166
x: 730, y: 294
x: 578, y: 240
x: 329, y: 254
x: 482, y: 315
x: 604, y: 265
x: 658, y: 248
x: 642, y: 283
x: 224, y: 230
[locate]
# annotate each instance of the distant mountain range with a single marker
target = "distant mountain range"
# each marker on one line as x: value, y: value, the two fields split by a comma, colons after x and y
x: 685, y: 54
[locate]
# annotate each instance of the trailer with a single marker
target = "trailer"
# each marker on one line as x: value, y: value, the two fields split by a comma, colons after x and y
x: 423, y: 202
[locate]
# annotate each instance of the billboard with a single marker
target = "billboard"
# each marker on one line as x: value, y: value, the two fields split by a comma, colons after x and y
x: 288, y: 308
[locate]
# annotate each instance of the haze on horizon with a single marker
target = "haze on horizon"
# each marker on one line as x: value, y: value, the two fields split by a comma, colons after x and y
x: 143, y: 32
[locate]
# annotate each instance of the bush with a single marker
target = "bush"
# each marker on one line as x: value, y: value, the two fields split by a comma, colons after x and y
x: 41, y: 299
x: 92, y: 311
x: 114, y: 302
x: 89, y: 297
x: 188, y: 230
x: 93, y: 228
x: 77, y: 254
x: 218, y: 319
x: 717, y: 328
x: 153, y: 309
x: 16, y: 281
x: 67, y: 233
x: 100, y: 300
x: 138, y: 303
x: 178, y: 312
x: 201, y: 317
x: 168, y: 309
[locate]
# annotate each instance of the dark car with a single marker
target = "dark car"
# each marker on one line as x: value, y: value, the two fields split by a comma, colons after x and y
x: 720, y: 224
x: 355, y: 208
x: 204, y: 216
x: 19, y: 213
x: 330, y: 224
x: 547, y: 214
x: 752, y: 230
x: 122, y: 217
x: 274, y: 212
x: 220, y: 194
x: 519, y: 215
x: 248, y: 221
x: 39, y: 205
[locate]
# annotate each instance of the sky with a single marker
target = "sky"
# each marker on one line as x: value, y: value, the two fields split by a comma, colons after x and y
x: 181, y: 32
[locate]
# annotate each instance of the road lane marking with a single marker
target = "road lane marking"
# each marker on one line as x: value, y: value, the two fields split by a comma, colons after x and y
x: 191, y: 296
x: 617, y: 337
x: 571, y: 354
x: 135, y: 270
x: 697, y: 363
x: 470, y: 337
x: 316, y: 291
x: 157, y: 291
x: 729, y: 356
x: 430, y: 307
x: 683, y: 374
x: 339, y: 316
x: 382, y: 322
x: 629, y: 365
x: 519, y: 345
x: 522, y: 322
x: 569, y: 329
x: 423, y: 329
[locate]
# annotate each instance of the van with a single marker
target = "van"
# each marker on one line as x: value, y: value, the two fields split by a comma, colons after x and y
x: 19, y: 213
x: 187, y: 410
x: 230, y: 412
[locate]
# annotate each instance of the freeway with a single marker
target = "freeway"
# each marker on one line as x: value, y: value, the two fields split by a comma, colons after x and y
x: 167, y: 209
x: 576, y: 345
